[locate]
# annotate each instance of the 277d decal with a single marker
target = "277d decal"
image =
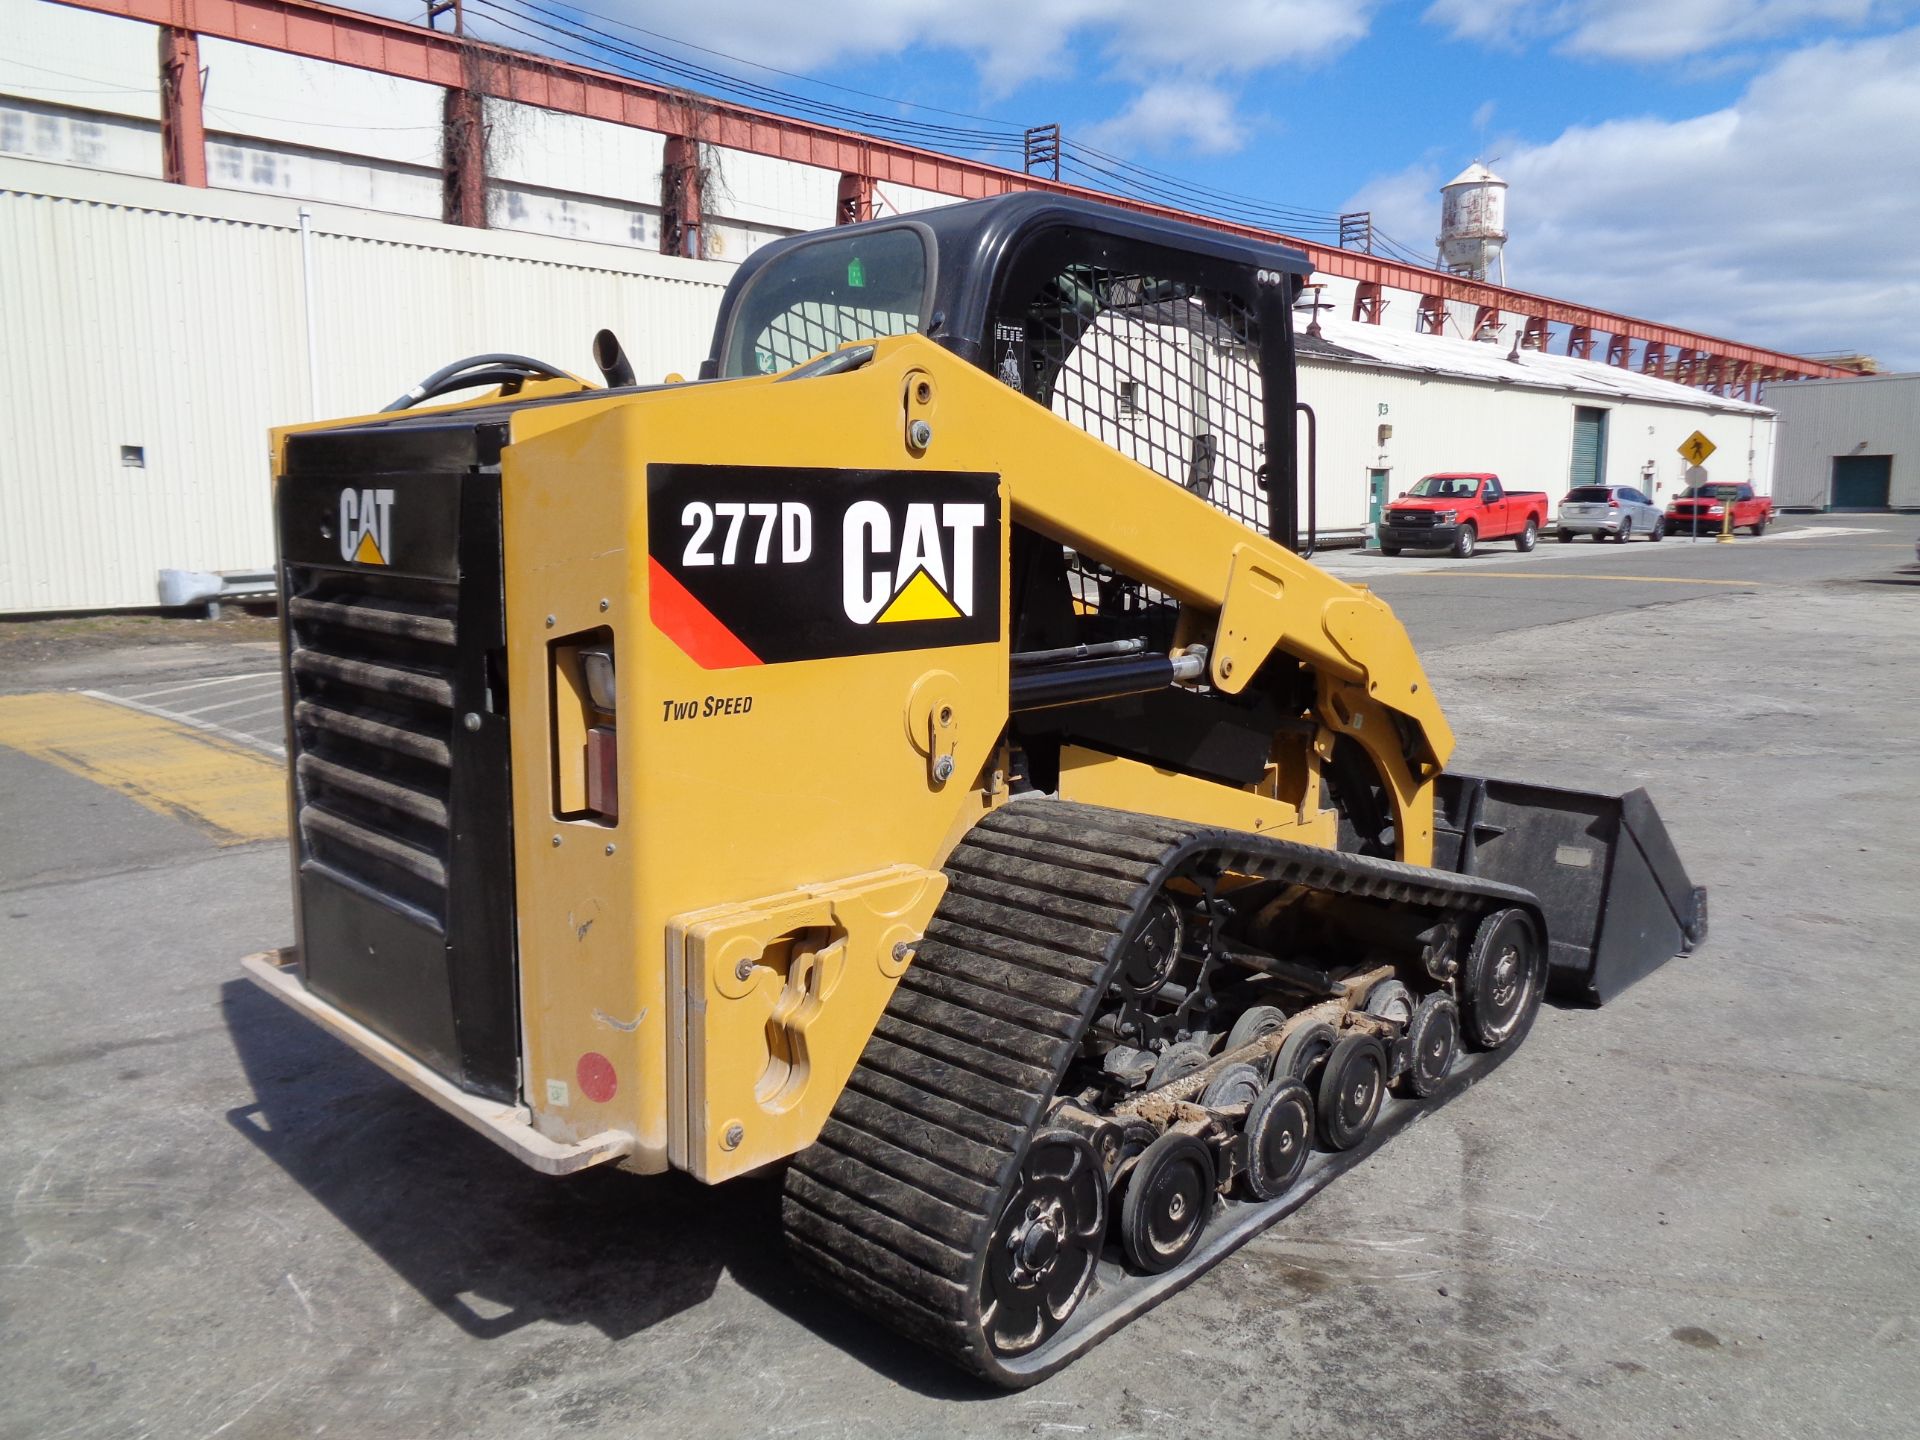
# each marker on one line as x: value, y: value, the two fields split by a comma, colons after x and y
x: 762, y: 565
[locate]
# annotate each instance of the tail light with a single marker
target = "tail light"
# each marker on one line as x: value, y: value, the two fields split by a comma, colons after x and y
x: 1612, y: 503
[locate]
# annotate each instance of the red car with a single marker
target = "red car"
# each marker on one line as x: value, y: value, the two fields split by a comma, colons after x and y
x: 1457, y: 510
x: 1703, y: 509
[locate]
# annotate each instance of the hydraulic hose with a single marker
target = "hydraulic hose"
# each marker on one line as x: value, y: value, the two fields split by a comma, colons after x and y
x: 519, y: 366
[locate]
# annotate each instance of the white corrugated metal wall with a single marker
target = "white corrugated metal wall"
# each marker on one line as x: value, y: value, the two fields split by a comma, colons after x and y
x: 146, y: 315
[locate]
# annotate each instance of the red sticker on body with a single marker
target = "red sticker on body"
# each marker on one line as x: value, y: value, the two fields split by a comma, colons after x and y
x: 596, y: 1077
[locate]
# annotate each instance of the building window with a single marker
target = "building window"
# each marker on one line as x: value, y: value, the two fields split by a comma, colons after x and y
x: 1129, y: 397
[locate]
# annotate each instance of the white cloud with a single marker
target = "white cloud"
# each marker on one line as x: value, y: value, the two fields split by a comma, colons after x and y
x: 1786, y: 219
x: 1649, y: 31
x: 1168, y: 115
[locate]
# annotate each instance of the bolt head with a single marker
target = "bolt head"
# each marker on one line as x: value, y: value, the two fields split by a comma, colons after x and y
x: 471, y: 721
x: 606, y: 604
x: 556, y: 841
x: 943, y: 769
x: 902, y: 951
x: 735, y: 1134
x: 550, y: 622
x: 744, y: 970
x: 921, y: 434
x: 610, y: 849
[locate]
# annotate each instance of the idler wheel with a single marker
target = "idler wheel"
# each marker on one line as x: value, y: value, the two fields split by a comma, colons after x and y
x: 1301, y: 1053
x: 1278, y: 1134
x: 1238, y: 1084
x: 1351, y: 1085
x: 1501, y: 981
x: 1168, y: 1200
x: 1432, y: 1039
x: 1041, y: 1260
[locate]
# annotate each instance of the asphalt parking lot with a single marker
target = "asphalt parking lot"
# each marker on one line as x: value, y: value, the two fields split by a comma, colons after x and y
x: 1689, y: 1212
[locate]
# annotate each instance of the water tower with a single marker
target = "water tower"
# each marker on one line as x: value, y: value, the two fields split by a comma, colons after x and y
x: 1473, y: 224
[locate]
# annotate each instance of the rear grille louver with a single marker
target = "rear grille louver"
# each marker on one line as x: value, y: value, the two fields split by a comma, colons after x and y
x: 372, y: 661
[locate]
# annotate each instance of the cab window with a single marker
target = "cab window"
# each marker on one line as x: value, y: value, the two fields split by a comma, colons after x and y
x: 828, y: 292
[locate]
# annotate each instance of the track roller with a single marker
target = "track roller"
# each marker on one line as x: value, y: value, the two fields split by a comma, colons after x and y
x: 1432, y: 1038
x: 1256, y: 1022
x: 1278, y: 1136
x: 1351, y: 1086
x: 1237, y: 1084
x: 1301, y: 1053
x: 1168, y: 1200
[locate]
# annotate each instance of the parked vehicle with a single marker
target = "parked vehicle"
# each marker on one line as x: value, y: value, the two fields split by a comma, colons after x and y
x: 1457, y: 510
x: 1607, y: 512
x: 1704, y: 509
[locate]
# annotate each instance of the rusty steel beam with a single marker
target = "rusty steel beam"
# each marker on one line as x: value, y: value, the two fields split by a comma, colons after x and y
x: 463, y: 145
x: 1369, y: 304
x: 391, y: 47
x: 854, y: 202
x: 183, y: 126
x: 682, y: 199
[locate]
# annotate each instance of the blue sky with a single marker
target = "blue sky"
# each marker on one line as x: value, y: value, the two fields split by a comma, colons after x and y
x: 1750, y: 168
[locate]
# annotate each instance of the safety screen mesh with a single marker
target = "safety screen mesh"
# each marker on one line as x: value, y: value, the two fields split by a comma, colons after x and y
x: 798, y: 334
x: 1166, y: 372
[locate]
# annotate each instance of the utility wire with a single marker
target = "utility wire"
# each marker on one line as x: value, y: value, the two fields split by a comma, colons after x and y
x: 566, y: 32
x: 776, y: 70
x: 558, y: 25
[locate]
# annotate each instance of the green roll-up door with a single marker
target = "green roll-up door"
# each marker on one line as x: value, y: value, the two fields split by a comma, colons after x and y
x: 1862, y: 482
x: 1589, y: 447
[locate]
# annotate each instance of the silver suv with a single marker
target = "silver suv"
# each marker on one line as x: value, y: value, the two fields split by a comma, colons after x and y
x: 1608, y: 512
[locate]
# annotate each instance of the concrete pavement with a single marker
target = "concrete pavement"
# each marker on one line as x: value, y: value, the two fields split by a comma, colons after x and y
x: 1690, y: 1211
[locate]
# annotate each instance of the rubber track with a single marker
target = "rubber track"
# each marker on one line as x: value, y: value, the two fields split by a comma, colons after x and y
x: 895, y: 1205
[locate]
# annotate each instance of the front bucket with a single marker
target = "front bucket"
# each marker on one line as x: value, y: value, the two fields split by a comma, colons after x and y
x: 1617, y: 899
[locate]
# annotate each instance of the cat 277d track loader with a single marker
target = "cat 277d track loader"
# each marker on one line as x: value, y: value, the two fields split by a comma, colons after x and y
x: 917, y: 754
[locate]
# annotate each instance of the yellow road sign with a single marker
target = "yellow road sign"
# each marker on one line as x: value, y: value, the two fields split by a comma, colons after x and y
x: 1696, y: 447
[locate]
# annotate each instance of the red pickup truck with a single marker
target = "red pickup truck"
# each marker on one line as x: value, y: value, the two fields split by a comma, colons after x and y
x: 1702, y: 510
x: 1457, y: 510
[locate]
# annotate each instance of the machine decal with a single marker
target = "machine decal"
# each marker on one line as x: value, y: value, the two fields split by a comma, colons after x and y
x: 366, y: 525
x: 671, y: 710
x: 766, y: 565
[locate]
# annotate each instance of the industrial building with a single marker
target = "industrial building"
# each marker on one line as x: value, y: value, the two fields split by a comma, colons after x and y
x: 223, y: 218
x: 1391, y: 407
x: 1848, y: 444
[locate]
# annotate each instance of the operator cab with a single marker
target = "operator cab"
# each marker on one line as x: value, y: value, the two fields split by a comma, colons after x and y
x: 1171, y: 342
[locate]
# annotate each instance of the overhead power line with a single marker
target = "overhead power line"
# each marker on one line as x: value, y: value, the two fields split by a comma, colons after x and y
x: 569, y: 32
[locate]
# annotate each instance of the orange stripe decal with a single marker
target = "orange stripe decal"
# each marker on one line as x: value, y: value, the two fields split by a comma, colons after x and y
x: 691, y: 626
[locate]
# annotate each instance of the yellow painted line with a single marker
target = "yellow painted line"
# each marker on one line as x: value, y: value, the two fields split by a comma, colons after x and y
x: 169, y: 768
x: 1619, y: 579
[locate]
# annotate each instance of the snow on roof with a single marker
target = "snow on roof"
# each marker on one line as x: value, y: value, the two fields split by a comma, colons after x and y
x: 1351, y: 342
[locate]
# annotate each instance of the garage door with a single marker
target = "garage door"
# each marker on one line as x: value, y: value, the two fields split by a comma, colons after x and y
x: 1589, y: 446
x: 1862, y: 482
